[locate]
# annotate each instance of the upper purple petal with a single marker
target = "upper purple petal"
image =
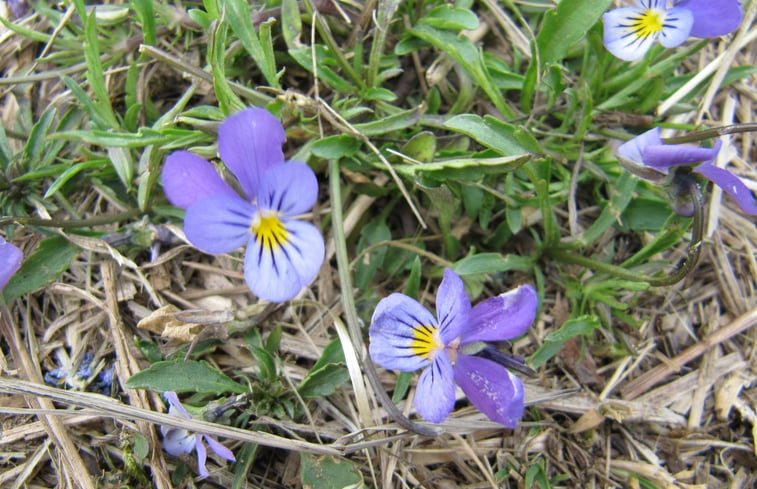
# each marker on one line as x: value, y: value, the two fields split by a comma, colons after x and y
x: 290, y: 188
x: 202, y: 456
x: 249, y: 143
x: 187, y: 178
x: 219, y: 224
x: 632, y: 150
x: 277, y: 272
x: 491, y: 388
x: 435, y: 393
x: 219, y: 449
x: 392, y: 332
x: 668, y: 155
x: 731, y: 184
x: 713, y: 18
x: 452, y: 306
x: 10, y: 261
x: 503, y: 317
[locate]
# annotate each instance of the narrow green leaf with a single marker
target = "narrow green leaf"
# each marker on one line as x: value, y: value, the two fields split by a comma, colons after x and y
x: 335, y: 147
x: 323, y: 381
x: 580, y: 326
x: 52, y: 258
x: 95, y: 72
x: 69, y: 173
x: 491, y: 263
x: 238, y: 16
x: 227, y: 99
x: 494, y: 134
x: 180, y: 376
x: 146, y: 14
x: 35, y: 145
x: 450, y: 18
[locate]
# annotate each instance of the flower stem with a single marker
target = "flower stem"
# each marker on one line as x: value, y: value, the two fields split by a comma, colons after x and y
x: 692, y: 257
x: 712, y: 133
x: 348, y: 302
x: 72, y: 223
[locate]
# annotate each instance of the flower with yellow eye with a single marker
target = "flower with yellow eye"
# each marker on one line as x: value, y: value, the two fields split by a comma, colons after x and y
x: 284, y: 253
x: 457, y: 348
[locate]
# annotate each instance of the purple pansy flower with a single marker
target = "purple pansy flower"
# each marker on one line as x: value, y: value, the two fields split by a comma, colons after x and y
x: 405, y: 336
x: 284, y: 254
x: 629, y: 32
x: 10, y: 261
x: 648, y: 157
x: 177, y: 441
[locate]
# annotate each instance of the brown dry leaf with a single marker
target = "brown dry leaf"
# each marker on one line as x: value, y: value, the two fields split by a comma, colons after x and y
x: 727, y: 393
x: 164, y: 322
x: 579, y: 361
x: 588, y: 421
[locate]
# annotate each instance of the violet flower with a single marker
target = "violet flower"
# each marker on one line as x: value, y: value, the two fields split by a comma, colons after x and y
x: 648, y: 157
x: 284, y: 254
x: 629, y: 32
x: 10, y: 261
x: 177, y: 441
x: 405, y: 336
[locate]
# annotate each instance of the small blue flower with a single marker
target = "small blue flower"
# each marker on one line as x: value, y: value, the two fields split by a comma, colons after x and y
x: 648, y: 157
x: 405, y: 336
x: 284, y: 253
x: 177, y: 441
x: 631, y: 31
x: 10, y: 262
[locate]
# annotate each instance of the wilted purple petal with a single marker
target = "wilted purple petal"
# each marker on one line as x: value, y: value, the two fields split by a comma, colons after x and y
x: 187, y: 178
x: 633, y: 149
x: 219, y: 449
x: 219, y: 224
x: 202, y: 457
x: 491, y: 388
x: 435, y: 393
x: 177, y: 441
x: 175, y: 408
x: 10, y: 261
x: 669, y: 155
x: 452, y: 306
x: 249, y: 143
x: 713, y: 18
x: 397, y: 328
x: 290, y: 188
x: 282, y: 258
x: 503, y: 317
x: 731, y: 184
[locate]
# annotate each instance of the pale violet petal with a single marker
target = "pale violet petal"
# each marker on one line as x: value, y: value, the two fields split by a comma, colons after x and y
x: 622, y: 36
x: 219, y: 449
x: 394, y: 332
x: 10, y: 261
x: 452, y: 307
x: 713, y: 18
x: 676, y: 27
x: 289, y: 189
x: 731, y: 184
x: 435, y: 393
x: 280, y: 263
x: 633, y: 150
x: 202, y: 456
x: 219, y: 224
x: 177, y: 441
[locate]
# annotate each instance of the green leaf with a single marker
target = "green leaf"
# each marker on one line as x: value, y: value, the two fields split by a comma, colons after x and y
x: 463, y: 169
x: 335, y: 147
x: 146, y: 14
x: 376, y: 231
x: 421, y: 147
x: 36, y: 143
x: 580, y: 326
x: 52, y: 258
x: 180, y: 376
x: 95, y: 73
x: 402, y: 386
x: 291, y: 24
x: 327, y: 374
x: 238, y: 16
x: 325, y: 472
x: 566, y: 25
x: 491, y: 263
x: 469, y: 57
x: 228, y: 101
x: 451, y: 18
x: 69, y: 173
x: 266, y: 364
x: 494, y: 134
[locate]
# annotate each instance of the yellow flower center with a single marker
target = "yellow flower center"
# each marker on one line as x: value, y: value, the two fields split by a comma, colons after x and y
x: 269, y: 231
x: 426, y: 341
x: 650, y: 22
